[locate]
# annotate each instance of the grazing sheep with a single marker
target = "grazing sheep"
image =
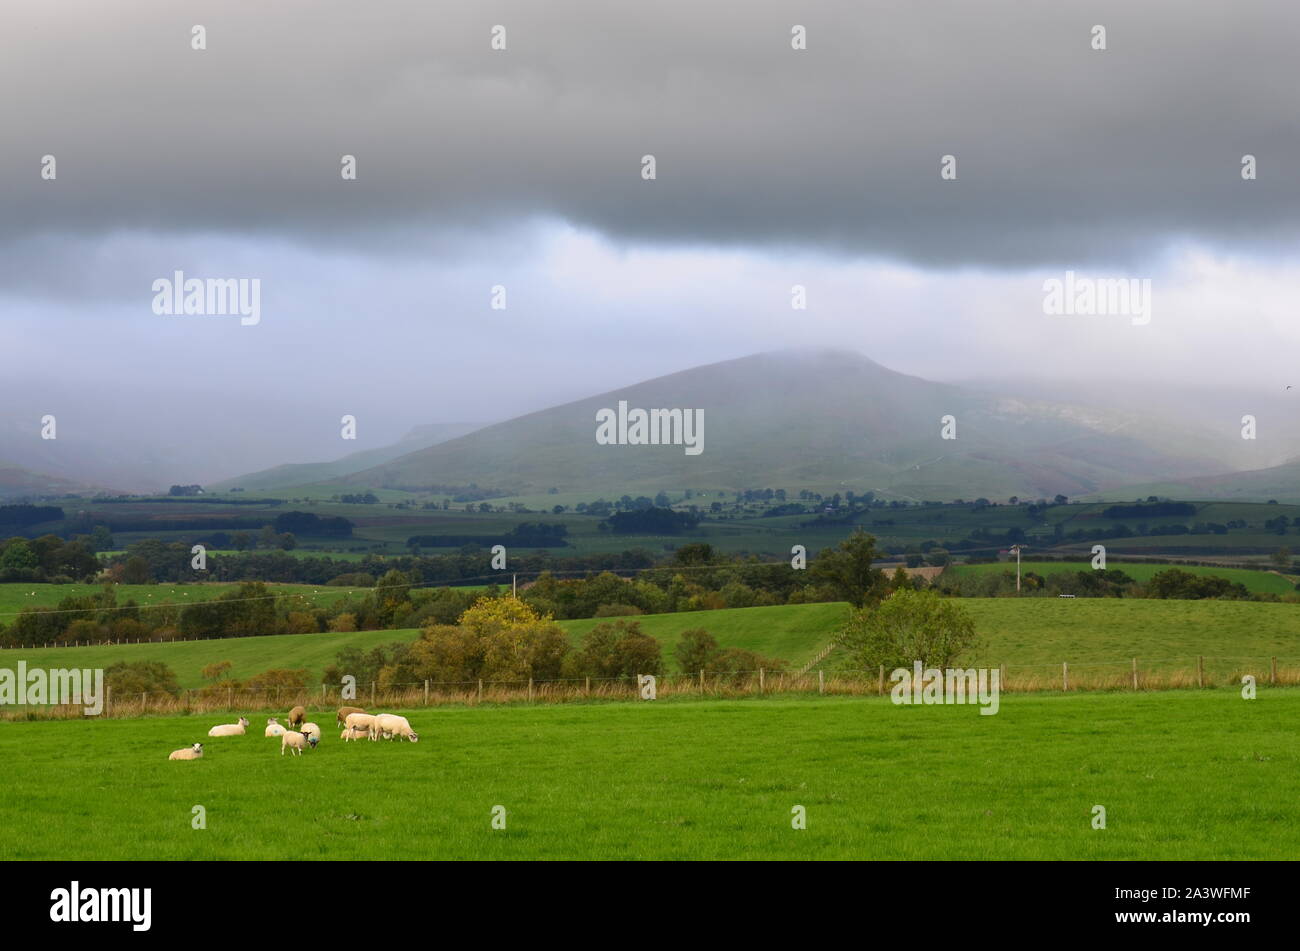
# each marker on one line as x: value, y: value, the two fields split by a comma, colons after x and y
x: 354, y: 733
x: 363, y: 721
x: 230, y: 729
x: 274, y: 727
x: 297, y: 715
x: 294, y: 741
x: 312, y: 730
x: 190, y: 752
x: 392, y: 725
x: 342, y: 717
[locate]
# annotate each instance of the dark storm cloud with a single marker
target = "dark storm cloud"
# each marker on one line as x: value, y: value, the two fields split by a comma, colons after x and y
x: 1065, y: 155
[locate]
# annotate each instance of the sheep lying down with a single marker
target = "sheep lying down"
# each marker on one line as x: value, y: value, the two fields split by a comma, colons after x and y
x: 230, y: 729
x: 274, y: 727
x: 190, y: 752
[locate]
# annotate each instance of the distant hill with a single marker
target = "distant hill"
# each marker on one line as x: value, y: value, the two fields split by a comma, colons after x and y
x: 17, y: 482
x: 310, y: 473
x: 1281, y: 482
x: 819, y: 420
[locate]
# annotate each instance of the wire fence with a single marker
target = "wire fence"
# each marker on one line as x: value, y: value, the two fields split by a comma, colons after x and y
x: 1131, y: 674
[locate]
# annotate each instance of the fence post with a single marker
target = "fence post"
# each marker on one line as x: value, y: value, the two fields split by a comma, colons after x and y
x: 760, y: 680
x: 1200, y: 670
x: 1272, y: 673
x: 322, y: 691
x: 1002, y: 676
x: 1065, y: 675
x: 426, y: 693
x: 587, y: 689
x: 701, y: 683
x: 821, y: 680
x: 480, y: 689
x: 372, y: 693
x: 880, y: 685
x: 530, y: 689
x: 230, y: 698
x: 108, y: 700
x: 1135, y: 673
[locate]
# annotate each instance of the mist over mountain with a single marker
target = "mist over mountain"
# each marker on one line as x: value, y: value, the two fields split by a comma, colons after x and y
x: 306, y: 473
x: 819, y: 419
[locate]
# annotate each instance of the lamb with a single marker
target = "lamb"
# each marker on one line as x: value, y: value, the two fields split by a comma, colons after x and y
x: 364, y: 721
x: 392, y: 725
x: 294, y: 741
x: 354, y: 733
x: 312, y: 731
x: 342, y: 717
x: 274, y: 727
x: 190, y: 752
x: 297, y: 715
x: 230, y: 729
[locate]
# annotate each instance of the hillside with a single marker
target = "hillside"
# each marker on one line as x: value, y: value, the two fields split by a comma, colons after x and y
x: 308, y: 473
x: 1023, y: 633
x: 17, y: 482
x: 815, y: 419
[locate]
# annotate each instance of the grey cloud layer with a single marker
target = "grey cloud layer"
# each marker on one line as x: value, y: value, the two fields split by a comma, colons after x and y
x: 1065, y: 155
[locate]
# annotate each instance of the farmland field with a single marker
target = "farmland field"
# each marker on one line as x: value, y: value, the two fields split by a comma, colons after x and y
x: 1182, y: 775
x: 1256, y: 582
x: 1016, y: 631
x: 15, y: 597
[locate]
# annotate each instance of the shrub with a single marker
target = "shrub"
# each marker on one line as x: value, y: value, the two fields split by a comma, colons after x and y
x: 126, y: 678
x: 300, y: 622
x: 735, y: 665
x: 695, y: 649
x: 281, y: 678
x: 216, y: 671
x: 906, y: 627
x: 619, y: 649
x: 345, y: 623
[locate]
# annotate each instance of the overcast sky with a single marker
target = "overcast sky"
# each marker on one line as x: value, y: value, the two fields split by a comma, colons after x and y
x: 522, y: 168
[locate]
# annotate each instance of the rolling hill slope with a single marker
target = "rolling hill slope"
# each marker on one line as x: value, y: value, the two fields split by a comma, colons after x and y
x: 309, y: 473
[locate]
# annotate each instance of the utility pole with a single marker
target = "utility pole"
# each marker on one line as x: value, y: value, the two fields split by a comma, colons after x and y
x: 514, y: 586
x: 1016, y: 549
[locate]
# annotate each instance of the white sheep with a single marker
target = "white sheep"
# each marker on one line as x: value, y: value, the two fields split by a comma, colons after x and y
x: 230, y: 729
x: 311, y: 730
x: 392, y: 725
x: 274, y: 727
x: 190, y: 752
x: 354, y: 733
x: 294, y: 741
x: 364, y: 721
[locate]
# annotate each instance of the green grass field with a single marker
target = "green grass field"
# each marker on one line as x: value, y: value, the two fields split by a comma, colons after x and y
x: 1256, y: 582
x: 791, y: 632
x: 16, y: 596
x: 1182, y: 775
x: 1024, y: 631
